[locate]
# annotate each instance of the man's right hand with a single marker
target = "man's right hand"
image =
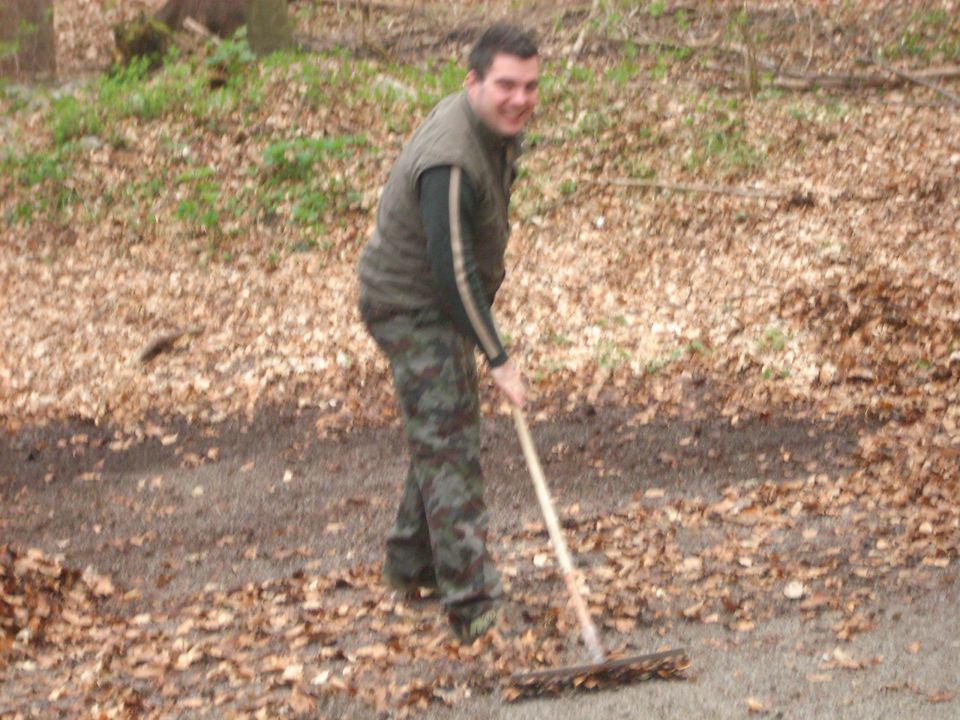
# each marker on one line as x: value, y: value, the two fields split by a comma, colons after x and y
x: 509, y: 382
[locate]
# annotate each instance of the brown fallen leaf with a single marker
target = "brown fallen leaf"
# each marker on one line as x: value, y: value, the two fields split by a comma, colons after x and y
x: 300, y: 702
x: 101, y: 585
x: 293, y: 673
x: 794, y: 590
x: 839, y: 658
x: 373, y: 652
x: 815, y: 601
x: 755, y: 706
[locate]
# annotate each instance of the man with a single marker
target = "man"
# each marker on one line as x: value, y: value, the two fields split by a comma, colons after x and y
x: 428, y: 277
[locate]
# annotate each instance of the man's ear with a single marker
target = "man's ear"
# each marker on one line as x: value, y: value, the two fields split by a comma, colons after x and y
x: 471, y: 79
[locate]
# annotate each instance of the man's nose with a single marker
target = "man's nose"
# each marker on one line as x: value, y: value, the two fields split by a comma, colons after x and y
x: 523, y: 96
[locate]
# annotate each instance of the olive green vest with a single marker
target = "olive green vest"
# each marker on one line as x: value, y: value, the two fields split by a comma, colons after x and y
x: 394, y: 270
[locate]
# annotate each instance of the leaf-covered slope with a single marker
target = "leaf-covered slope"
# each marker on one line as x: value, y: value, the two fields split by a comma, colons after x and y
x: 795, y: 249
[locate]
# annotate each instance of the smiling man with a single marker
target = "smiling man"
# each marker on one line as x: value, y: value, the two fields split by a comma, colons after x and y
x: 428, y: 277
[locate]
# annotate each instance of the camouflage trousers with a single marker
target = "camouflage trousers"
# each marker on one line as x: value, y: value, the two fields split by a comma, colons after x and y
x: 440, y: 532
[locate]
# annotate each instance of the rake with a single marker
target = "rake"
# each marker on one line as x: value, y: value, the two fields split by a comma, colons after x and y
x: 600, y: 672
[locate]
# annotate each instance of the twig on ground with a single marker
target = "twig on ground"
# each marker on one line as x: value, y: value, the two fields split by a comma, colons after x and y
x: 395, y: 7
x: 813, y: 41
x: 914, y: 78
x: 795, y: 197
x: 200, y: 30
x: 791, y: 80
x: 164, y: 343
x: 802, y: 80
x: 581, y: 37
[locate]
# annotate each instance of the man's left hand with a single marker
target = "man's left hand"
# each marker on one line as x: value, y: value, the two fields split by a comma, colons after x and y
x: 510, y: 383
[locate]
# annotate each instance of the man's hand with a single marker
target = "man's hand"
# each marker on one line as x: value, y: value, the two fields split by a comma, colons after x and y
x: 508, y: 380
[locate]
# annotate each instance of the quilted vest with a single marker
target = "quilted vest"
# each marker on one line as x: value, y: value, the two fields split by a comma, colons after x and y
x: 394, y: 269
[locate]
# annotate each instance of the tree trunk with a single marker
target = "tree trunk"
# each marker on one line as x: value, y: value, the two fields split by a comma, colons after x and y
x: 221, y: 17
x: 27, y: 43
x: 268, y: 26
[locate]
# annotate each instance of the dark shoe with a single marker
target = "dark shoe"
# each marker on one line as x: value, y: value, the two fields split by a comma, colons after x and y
x: 469, y: 630
x: 424, y: 586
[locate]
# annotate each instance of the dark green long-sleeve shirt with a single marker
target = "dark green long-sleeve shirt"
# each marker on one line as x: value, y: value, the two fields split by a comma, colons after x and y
x: 448, y: 207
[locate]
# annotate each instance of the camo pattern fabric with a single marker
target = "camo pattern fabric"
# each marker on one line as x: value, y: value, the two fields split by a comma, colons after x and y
x: 440, y: 533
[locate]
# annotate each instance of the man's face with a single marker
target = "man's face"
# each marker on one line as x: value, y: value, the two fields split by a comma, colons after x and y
x: 505, y: 97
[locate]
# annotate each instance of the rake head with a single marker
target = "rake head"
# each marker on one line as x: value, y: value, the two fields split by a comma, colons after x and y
x: 596, y: 676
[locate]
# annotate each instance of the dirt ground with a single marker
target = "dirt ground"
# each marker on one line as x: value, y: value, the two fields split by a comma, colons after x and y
x: 193, y: 510
x: 789, y: 516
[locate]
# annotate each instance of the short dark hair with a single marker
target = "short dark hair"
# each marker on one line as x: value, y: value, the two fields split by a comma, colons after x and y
x: 500, y: 38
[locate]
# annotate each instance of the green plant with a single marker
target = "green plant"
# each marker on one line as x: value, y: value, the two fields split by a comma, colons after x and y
x: 45, y: 175
x: 660, y: 67
x: 932, y: 35
x: 694, y: 347
x: 559, y: 339
x: 610, y: 355
x: 657, y: 364
x: 201, y: 205
x: 656, y: 8
x: 310, y: 207
x: 71, y: 119
x: 232, y: 56
x: 627, y: 68
x: 298, y: 172
x: 635, y: 167
x: 697, y: 347
x: 130, y: 92
x: 298, y: 159
x: 582, y: 75
x: 770, y: 373
x: 593, y: 122
x: 450, y: 78
x: 773, y: 339
x: 836, y: 109
x: 729, y: 145
x: 720, y: 135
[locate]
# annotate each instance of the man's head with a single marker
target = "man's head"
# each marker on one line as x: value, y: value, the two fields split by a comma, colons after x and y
x: 504, y: 69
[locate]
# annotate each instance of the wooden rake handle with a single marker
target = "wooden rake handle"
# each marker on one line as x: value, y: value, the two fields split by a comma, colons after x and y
x: 587, y: 628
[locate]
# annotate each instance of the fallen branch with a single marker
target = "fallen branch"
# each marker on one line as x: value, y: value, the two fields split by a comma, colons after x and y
x: 797, y: 80
x: 164, y: 343
x: 915, y: 78
x: 398, y: 7
x: 578, y: 43
x: 795, y: 197
x: 200, y: 30
x: 804, y: 81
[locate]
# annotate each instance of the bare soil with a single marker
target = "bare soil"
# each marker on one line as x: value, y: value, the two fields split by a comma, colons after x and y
x: 152, y: 522
x: 278, y: 499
